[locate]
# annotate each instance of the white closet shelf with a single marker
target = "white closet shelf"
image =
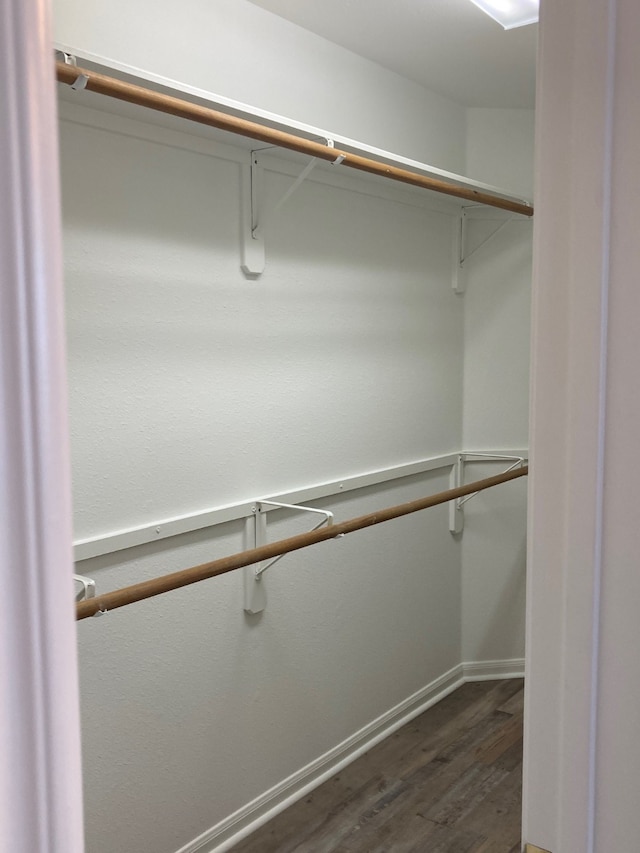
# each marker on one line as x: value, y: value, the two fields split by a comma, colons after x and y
x: 255, y: 600
x: 99, y: 544
x: 368, y: 160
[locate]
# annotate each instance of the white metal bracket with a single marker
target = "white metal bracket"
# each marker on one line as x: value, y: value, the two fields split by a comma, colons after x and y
x: 85, y: 587
x: 456, y: 512
x: 259, y: 218
x: 465, y: 252
x: 255, y: 598
x: 517, y: 462
x: 456, y: 515
x: 255, y: 218
x: 461, y: 251
x: 253, y: 256
x: 459, y: 235
x: 69, y: 59
x: 85, y: 590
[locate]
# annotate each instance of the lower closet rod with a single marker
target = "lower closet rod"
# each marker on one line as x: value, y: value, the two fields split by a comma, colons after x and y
x: 166, y: 583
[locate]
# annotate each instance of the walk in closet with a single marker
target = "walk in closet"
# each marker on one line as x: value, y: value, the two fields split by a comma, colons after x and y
x: 250, y: 327
x: 378, y: 359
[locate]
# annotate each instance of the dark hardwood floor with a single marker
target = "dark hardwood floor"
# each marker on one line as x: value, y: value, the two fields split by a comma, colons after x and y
x: 448, y: 782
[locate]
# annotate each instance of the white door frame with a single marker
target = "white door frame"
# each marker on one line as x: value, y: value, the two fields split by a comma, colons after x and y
x: 572, y: 237
x: 40, y: 771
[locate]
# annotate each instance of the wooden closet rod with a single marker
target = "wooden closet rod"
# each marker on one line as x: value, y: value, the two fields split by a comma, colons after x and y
x: 176, y: 580
x: 204, y: 115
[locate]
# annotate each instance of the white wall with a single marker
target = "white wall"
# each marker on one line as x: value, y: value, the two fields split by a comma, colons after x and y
x: 192, y: 710
x: 173, y: 351
x: 496, y: 382
x: 500, y: 148
x: 236, y: 49
x: 192, y: 386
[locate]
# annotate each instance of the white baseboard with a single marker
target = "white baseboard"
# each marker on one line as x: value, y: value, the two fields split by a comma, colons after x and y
x: 490, y: 670
x: 224, y: 835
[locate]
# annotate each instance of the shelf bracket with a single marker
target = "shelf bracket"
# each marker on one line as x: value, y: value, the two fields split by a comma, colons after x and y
x: 258, y: 220
x: 456, y: 479
x: 86, y: 588
x: 253, y: 255
x: 459, y: 235
x: 516, y: 462
x: 66, y: 57
x: 456, y: 515
x: 255, y: 219
x: 255, y: 599
x: 69, y: 59
x: 465, y: 254
x: 461, y: 251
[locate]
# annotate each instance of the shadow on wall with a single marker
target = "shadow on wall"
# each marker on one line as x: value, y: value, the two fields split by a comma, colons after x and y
x: 505, y: 614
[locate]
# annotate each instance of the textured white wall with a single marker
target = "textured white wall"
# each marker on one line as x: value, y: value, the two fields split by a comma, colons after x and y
x: 192, y: 386
x: 192, y: 709
x: 496, y: 390
x: 500, y: 148
x: 236, y: 49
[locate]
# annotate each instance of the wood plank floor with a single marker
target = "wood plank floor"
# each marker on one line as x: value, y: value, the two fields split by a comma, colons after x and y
x: 448, y: 782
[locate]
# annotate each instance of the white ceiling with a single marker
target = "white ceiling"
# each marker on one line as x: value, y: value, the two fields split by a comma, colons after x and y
x: 449, y: 46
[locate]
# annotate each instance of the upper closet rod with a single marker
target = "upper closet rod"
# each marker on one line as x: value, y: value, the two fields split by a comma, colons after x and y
x: 123, y: 91
x: 166, y: 583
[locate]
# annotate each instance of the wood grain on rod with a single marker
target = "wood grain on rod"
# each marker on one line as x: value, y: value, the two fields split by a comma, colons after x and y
x: 133, y: 94
x: 176, y: 580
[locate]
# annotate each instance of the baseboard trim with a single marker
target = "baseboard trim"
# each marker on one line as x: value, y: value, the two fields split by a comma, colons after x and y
x: 246, y: 820
x: 224, y: 835
x: 530, y: 848
x: 489, y: 670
